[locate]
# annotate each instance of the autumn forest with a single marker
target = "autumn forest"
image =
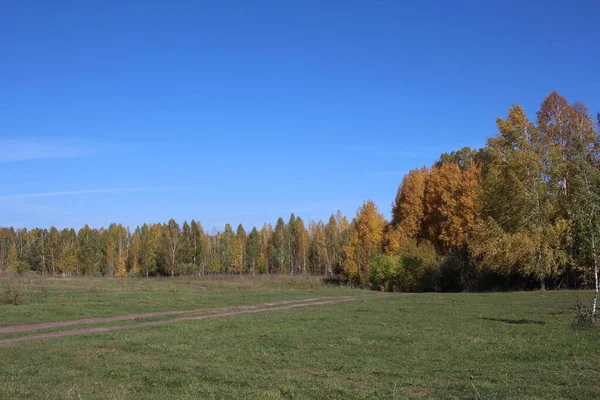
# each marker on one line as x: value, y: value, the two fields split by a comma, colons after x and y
x: 520, y: 213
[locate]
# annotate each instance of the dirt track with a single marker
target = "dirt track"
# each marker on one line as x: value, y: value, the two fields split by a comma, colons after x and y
x: 98, y: 320
x: 206, y: 314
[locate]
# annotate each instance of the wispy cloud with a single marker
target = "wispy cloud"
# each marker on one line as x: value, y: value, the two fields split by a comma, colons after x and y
x: 411, y: 151
x: 81, y: 192
x: 309, y: 210
x: 387, y: 173
x: 23, y: 149
x: 383, y: 151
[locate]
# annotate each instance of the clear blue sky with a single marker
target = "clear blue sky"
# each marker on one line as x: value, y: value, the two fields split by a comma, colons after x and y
x: 243, y: 111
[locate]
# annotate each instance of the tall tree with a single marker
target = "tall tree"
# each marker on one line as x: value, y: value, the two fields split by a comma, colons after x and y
x: 5, y: 242
x: 279, y: 248
x: 186, y: 249
x: 77, y: 249
x: 463, y: 158
x: 301, y: 245
x: 450, y: 205
x: 12, y: 258
x: 365, y: 241
x: 134, y: 254
x: 408, y: 209
x: 583, y: 174
x: 89, y: 249
x: 115, y: 248
x: 171, y: 246
x: 264, y: 258
x: 408, y: 212
x: 522, y: 229
x: 291, y: 244
x: 238, y: 247
x: 226, y: 239
x: 253, y: 250
x: 564, y: 130
x: 321, y: 263
x: 199, y: 246
x: 149, y: 242
x: 53, y: 249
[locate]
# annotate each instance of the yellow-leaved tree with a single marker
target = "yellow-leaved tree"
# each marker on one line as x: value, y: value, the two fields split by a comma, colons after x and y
x: 365, y: 241
x: 408, y: 212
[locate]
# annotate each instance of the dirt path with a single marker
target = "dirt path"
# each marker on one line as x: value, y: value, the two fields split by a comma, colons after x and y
x: 264, y: 307
x: 98, y: 320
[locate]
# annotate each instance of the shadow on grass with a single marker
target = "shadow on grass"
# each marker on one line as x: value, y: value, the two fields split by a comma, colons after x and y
x: 516, y: 321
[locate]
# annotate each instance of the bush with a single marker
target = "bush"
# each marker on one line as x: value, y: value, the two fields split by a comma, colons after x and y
x: 420, y: 270
x: 451, y: 274
x: 186, y: 269
x: 19, y: 267
x: 13, y: 294
x: 415, y: 269
x: 383, y: 272
x: 584, y: 312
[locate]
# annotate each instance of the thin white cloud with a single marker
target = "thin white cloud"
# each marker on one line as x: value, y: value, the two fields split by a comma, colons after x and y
x: 411, y: 151
x: 27, y: 149
x: 388, y: 173
x: 80, y: 192
x: 383, y: 151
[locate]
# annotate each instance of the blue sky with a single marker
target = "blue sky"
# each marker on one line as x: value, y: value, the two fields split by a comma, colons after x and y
x: 237, y: 111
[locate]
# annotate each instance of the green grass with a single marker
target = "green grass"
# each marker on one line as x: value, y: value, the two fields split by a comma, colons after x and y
x: 58, y: 299
x: 497, y: 345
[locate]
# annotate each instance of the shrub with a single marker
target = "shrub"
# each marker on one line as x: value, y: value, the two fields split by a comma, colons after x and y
x: 186, y: 269
x: 19, y: 267
x: 584, y: 312
x: 451, y: 274
x: 415, y: 269
x: 383, y: 272
x: 13, y: 294
x: 420, y: 268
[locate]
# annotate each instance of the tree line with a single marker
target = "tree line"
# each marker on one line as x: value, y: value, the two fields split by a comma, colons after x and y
x: 173, y: 249
x: 520, y: 212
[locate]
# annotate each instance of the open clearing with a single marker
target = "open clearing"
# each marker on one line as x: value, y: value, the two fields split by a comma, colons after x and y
x: 288, y: 338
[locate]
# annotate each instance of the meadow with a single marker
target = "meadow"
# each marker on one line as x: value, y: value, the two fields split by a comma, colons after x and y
x: 287, y: 337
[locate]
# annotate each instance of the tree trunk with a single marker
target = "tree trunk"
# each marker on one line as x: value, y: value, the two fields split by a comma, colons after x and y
x: 596, y: 284
x: 595, y: 301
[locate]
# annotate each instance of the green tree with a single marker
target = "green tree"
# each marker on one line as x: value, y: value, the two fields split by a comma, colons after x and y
x: 584, y: 205
x: 186, y: 250
x: 53, y: 248
x: 291, y: 245
x: 149, y: 243
x: 135, y: 252
x: 301, y: 245
x: 238, y: 249
x: 264, y: 258
x: 253, y: 250
x: 115, y: 251
x: 198, y: 246
x: 89, y: 250
x: 171, y: 243
x: 279, y: 248
x: 5, y: 241
x: 226, y: 239
x: 76, y: 249
x: 464, y: 158
x: 320, y: 261
x: 522, y: 229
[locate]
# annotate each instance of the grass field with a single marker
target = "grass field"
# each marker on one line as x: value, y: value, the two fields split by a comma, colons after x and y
x: 254, y: 342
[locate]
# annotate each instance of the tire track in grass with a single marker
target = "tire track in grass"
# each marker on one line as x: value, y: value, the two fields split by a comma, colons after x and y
x: 256, y: 309
x: 130, y: 317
